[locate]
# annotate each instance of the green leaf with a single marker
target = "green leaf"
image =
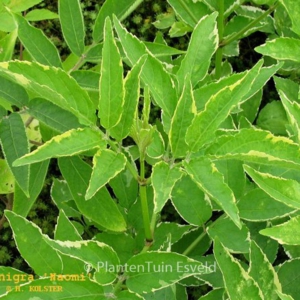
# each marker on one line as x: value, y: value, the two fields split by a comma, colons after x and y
x: 21, y: 5
x: 69, y: 143
x: 172, y: 292
x: 52, y: 115
x: 258, y: 146
x: 238, y: 283
x: 203, y: 94
x: 267, y: 23
x: 160, y: 50
x: 65, y: 230
x: 202, y: 247
x: 106, y: 165
x: 288, y: 274
x: 183, y: 116
x: 14, y: 145
x: 288, y: 87
x: 215, y: 278
x: 35, y: 78
x: 94, y: 53
x: 40, y: 15
x: 44, y: 259
x: 120, y: 8
x: 187, y: 197
x: 22, y: 203
x: 71, y: 20
x: 249, y: 109
x: 288, y: 92
x: 234, y: 175
x: 151, y: 271
x: 126, y: 295
x: 167, y: 234
x: 10, y: 273
x: 284, y: 48
x: 164, y: 21
x: 214, y: 294
x: 217, y: 110
x: 94, y: 254
x: 292, y: 251
x: 7, y: 180
x: 63, y: 199
x: 7, y: 45
x: 111, y: 84
x: 125, y: 188
x: 262, y: 2
x: 46, y: 288
x: 244, y: 20
x: 7, y: 23
x: 163, y: 179
x: 234, y: 239
x: 262, y: 271
x: 156, y: 148
x: 73, y: 62
x: 256, y: 206
x: 283, y: 190
x: 101, y: 208
x: 189, y: 11
x: 179, y: 29
x: 131, y: 98
x: 211, y: 181
x: 268, y: 246
x: 284, y: 296
x: 229, y: 5
x: 40, y: 48
x: 273, y: 118
x: 89, y: 80
x: 13, y: 93
x: 294, y: 13
x: 161, y: 85
x: 201, y: 48
x: 285, y: 232
x: 123, y: 244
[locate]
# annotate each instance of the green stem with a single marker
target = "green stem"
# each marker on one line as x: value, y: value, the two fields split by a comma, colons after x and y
x: 218, y: 63
x: 81, y: 59
x: 239, y: 34
x: 144, y: 202
x: 195, y: 243
x: 78, y: 64
x: 119, y: 284
x: 219, y: 53
x: 153, y: 221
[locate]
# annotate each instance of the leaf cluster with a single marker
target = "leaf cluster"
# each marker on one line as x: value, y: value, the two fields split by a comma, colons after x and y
x: 229, y: 168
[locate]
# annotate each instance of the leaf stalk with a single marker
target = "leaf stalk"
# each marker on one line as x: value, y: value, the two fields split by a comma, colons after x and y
x: 239, y: 34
